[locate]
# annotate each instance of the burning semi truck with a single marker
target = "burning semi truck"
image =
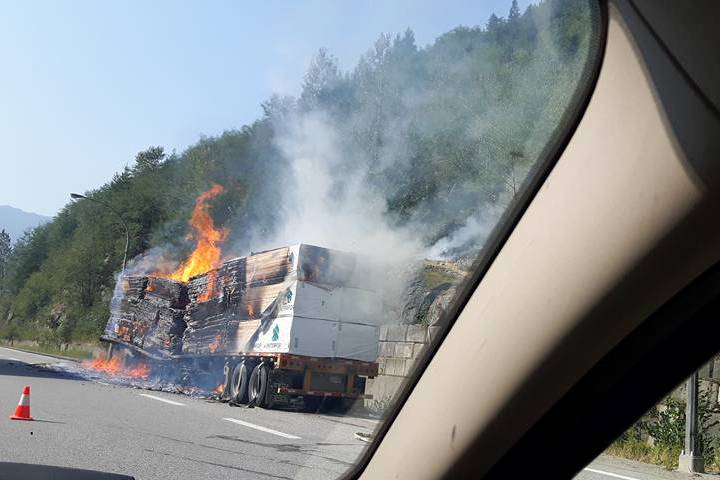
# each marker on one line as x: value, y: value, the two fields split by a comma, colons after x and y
x: 288, y: 325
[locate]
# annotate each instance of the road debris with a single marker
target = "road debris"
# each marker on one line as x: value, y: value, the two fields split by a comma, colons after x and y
x: 364, y: 437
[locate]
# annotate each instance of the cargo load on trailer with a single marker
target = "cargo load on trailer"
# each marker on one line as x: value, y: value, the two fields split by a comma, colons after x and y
x: 288, y: 325
x: 150, y: 315
x: 302, y: 299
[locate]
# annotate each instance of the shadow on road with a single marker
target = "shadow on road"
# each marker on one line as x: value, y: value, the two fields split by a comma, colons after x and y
x: 37, y: 370
x: 24, y: 470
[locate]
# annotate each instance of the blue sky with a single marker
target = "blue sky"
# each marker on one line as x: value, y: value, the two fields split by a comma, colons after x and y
x: 84, y: 85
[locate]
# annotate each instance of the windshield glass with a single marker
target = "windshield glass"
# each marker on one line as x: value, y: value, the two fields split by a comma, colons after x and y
x: 251, y: 220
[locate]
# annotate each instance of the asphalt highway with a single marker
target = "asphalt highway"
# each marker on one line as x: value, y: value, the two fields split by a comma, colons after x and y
x: 86, y: 424
x: 82, y: 422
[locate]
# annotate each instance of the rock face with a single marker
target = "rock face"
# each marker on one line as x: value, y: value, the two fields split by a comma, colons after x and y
x: 413, y: 297
x: 431, y: 288
x: 441, y: 303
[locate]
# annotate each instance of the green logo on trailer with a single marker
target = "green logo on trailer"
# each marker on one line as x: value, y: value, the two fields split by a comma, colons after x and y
x: 276, y: 333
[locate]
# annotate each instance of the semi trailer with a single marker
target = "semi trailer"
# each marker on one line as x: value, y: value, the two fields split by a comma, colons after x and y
x: 296, y: 325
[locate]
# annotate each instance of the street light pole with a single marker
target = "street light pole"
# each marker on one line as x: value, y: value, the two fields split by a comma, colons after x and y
x: 689, y: 460
x: 77, y: 196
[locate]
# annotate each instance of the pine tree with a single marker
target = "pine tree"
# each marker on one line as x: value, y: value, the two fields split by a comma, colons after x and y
x: 493, y: 23
x: 514, y: 11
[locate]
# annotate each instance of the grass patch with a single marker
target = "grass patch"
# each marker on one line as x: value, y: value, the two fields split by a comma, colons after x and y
x: 663, y: 456
x: 666, y: 457
x: 73, y: 352
x: 658, y: 437
x: 433, y: 278
x: 436, y: 273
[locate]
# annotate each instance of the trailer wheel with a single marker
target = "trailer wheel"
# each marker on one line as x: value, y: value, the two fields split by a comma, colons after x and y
x: 239, y: 384
x: 258, y: 386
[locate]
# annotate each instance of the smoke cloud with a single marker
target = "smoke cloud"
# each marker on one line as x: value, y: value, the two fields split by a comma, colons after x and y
x: 331, y: 206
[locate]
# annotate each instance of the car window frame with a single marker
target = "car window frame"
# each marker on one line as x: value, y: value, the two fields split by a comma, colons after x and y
x: 533, y: 182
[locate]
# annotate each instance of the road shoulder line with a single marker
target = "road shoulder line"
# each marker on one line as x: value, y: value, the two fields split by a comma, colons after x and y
x: 60, y: 357
x: 262, y: 429
x: 609, y: 474
x: 160, y: 399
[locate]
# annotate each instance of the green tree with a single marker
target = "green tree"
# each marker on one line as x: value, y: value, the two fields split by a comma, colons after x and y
x: 321, y: 82
x: 514, y: 12
x: 149, y: 159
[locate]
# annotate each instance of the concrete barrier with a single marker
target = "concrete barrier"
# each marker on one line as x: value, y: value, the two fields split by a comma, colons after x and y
x: 400, y: 346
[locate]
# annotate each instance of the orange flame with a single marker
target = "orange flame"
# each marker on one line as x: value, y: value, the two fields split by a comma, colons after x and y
x: 209, y: 287
x: 150, y: 285
x: 250, y: 311
x: 219, y: 388
x: 206, y: 255
x: 115, y: 366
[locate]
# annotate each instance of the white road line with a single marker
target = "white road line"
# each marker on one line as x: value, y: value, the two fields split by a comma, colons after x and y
x: 262, y: 429
x: 610, y: 474
x: 28, y: 353
x: 160, y: 399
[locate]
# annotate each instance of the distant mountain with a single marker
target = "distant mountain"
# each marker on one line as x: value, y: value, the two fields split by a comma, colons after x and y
x: 16, y: 221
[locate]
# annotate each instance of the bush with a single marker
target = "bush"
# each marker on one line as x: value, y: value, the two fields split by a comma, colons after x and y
x: 10, y: 333
x: 664, y: 426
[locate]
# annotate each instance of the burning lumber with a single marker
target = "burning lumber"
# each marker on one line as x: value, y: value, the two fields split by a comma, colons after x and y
x: 240, y: 290
x: 151, y: 314
x: 302, y: 299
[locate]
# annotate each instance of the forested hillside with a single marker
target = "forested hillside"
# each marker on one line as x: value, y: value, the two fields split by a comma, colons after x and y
x: 414, y: 147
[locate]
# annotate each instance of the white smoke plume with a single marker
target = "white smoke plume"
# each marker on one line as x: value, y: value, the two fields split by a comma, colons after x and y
x: 468, y: 237
x: 331, y: 207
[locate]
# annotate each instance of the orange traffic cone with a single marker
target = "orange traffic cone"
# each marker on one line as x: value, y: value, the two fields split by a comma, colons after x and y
x: 22, y: 411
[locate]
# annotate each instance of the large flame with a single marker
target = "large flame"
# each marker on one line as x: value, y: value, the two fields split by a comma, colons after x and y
x: 116, y: 367
x: 206, y: 255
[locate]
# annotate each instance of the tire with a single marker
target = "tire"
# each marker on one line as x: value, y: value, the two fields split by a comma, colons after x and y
x: 239, y: 384
x: 258, y: 386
